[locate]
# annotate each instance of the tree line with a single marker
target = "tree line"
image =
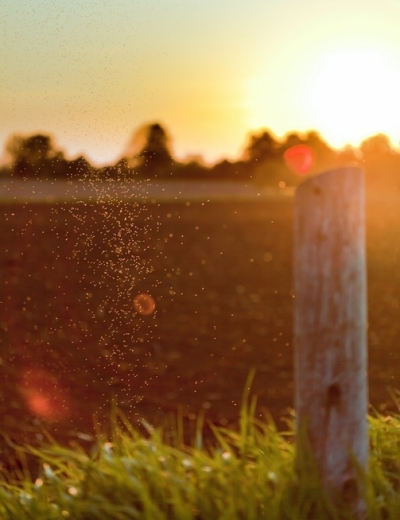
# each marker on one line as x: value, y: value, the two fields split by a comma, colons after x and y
x: 149, y: 156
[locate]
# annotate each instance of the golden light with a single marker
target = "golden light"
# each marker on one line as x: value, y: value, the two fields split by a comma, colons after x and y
x: 353, y: 94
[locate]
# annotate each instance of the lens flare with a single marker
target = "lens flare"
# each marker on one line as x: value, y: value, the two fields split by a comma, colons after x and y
x: 299, y: 158
x: 144, y: 304
x: 43, y: 395
x: 39, y: 404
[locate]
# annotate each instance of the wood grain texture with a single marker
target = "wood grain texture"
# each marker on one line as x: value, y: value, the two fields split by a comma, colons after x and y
x: 330, y: 327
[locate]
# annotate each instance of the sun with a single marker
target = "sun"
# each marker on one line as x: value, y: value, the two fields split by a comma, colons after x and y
x: 347, y: 91
x: 353, y: 94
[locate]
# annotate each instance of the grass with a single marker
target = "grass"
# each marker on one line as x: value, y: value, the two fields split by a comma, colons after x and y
x: 246, y: 475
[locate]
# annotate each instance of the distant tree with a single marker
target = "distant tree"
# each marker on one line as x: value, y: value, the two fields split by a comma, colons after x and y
x: 348, y: 156
x: 314, y: 139
x: 35, y: 155
x: 149, y: 151
x: 192, y: 169
x: 33, y: 149
x: 381, y: 163
x: 263, y: 159
x: 231, y: 170
x: 120, y: 171
x: 263, y: 156
x: 291, y: 139
x: 261, y: 147
x: 79, y: 168
x: 325, y: 156
x: 376, y: 146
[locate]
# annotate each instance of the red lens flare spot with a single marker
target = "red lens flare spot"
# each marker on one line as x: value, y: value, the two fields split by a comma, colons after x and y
x: 144, y: 304
x: 39, y: 405
x: 43, y: 395
x: 299, y: 158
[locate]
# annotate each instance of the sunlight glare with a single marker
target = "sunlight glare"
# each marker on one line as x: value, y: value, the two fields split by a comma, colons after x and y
x: 353, y: 94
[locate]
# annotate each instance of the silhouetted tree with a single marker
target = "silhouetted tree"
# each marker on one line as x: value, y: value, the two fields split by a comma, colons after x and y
x: 231, y: 170
x: 263, y: 156
x: 119, y: 171
x: 325, y: 157
x: 191, y: 170
x: 319, y: 145
x: 292, y: 139
x: 376, y: 146
x: 79, y: 168
x: 149, y: 151
x: 35, y: 155
x: 348, y: 156
x: 263, y: 159
x: 261, y: 147
x: 381, y: 163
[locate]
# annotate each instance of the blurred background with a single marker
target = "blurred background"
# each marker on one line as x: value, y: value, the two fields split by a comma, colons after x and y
x: 150, y: 152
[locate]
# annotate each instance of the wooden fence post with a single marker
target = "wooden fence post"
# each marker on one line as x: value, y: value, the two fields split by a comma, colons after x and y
x: 330, y: 329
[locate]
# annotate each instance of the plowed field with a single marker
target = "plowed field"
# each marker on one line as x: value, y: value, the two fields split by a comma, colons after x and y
x: 220, y: 275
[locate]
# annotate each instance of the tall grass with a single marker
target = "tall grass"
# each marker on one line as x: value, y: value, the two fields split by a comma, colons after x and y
x: 247, y: 475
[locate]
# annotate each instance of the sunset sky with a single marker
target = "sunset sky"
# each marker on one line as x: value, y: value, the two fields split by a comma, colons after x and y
x: 90, y: 72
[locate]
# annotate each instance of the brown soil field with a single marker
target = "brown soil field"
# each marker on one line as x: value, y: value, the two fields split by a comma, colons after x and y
x: 73, y: 343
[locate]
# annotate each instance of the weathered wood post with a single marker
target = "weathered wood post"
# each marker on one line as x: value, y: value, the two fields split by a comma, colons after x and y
x: 330, y: 329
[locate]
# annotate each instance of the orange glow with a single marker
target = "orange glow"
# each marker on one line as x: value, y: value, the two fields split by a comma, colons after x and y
x: 144, y: 304
x: 39, y: 404
x: 43, y: 395
x: 300, y: 158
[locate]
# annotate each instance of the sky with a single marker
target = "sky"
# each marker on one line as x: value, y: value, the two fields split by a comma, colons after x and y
x: 91, y: 72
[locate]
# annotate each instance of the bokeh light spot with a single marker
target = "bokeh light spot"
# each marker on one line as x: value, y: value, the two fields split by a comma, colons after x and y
x: 299, y: 158
x: 43, y: 395
x: 144, y: 304
x: 39, y: 404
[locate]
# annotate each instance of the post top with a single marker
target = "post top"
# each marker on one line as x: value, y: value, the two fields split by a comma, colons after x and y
x: 346, y: 176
